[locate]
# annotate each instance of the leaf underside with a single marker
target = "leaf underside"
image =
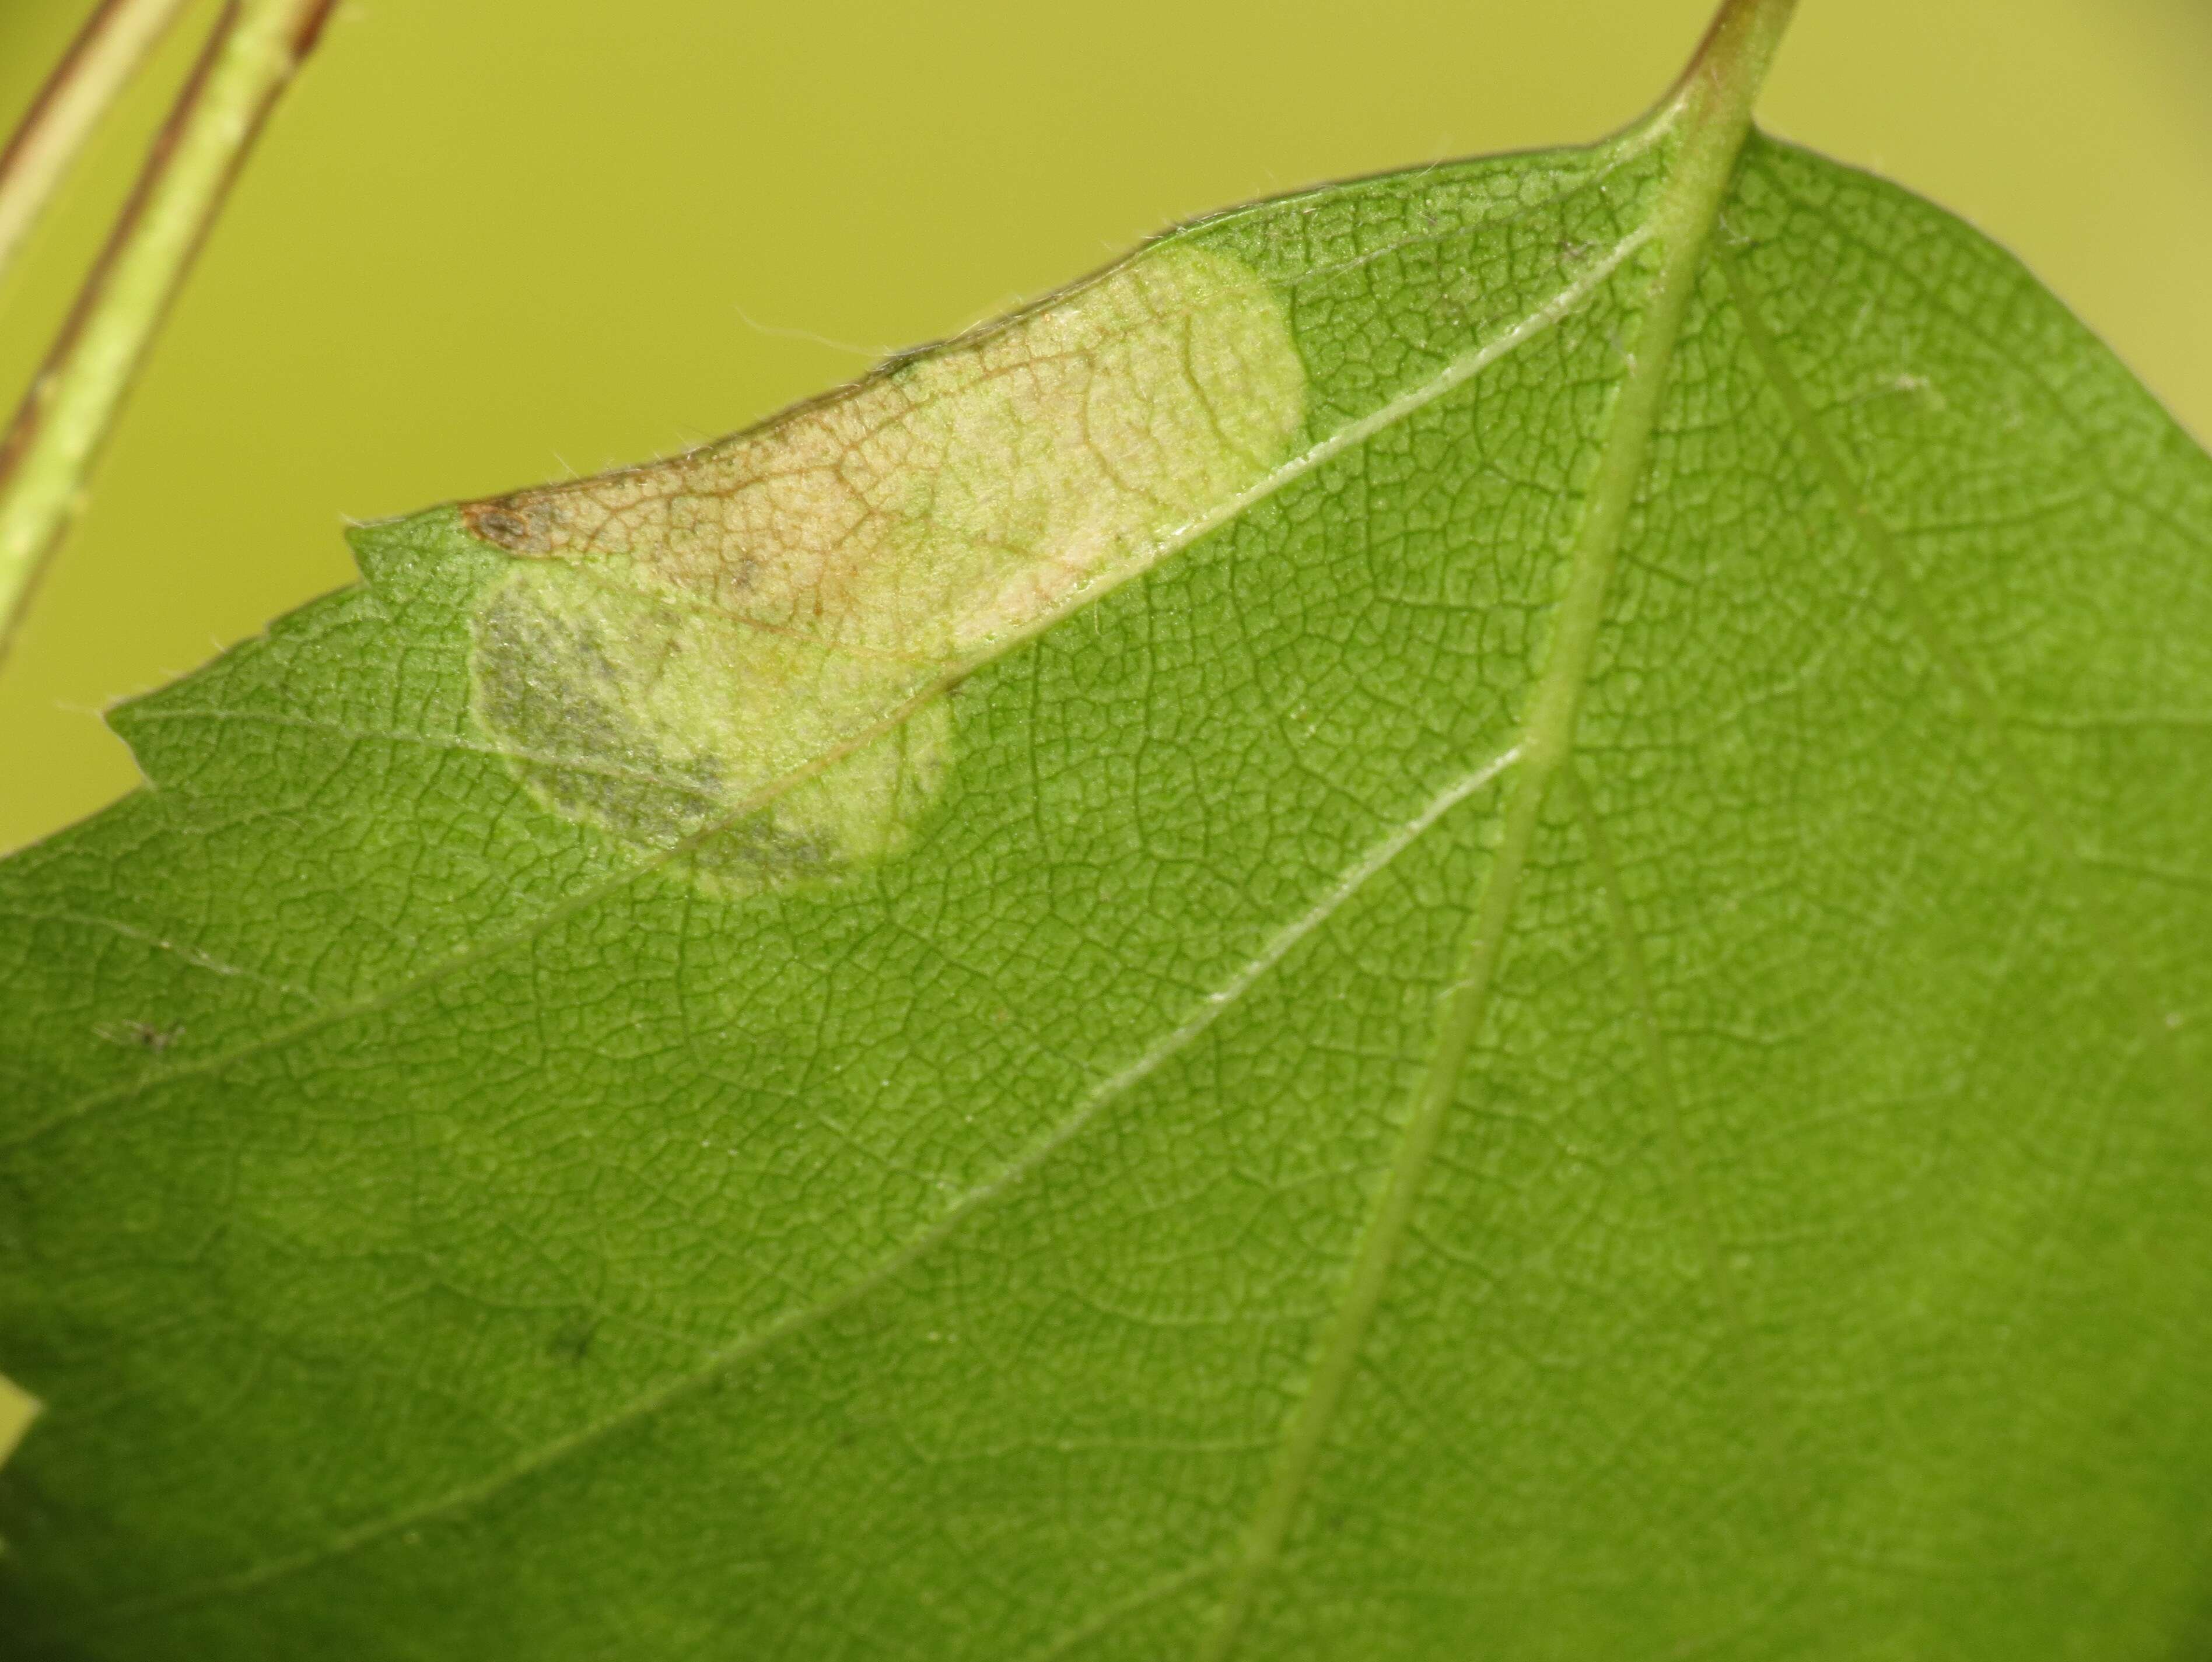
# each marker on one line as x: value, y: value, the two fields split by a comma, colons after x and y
x: 438, y: 1225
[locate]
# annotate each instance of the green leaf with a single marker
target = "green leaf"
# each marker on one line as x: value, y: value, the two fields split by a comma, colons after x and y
x: 1465, y: 917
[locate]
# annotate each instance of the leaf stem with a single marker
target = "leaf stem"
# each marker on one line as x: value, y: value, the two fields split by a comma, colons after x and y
x: 105, y: 54
x: 256, y: 48
x: 1726, y: 72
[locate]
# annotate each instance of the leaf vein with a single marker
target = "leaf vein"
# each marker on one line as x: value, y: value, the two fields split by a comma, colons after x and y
x: 1371, y: 862
x: 1587, y: 282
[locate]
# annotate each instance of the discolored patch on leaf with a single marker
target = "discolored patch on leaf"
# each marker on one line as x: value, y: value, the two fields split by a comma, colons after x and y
x: 18, y: 1408
x: 661, y: 722
x: 755, y: 636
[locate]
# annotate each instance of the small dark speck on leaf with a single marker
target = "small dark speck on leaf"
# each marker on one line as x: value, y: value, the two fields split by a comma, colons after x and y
x: 152, y: 1036
x: 572, y: 1341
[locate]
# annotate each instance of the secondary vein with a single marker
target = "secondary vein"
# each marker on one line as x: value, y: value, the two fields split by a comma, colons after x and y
x: 1453, y: 375
x: 1376, y: 857
x: 1981, y: 704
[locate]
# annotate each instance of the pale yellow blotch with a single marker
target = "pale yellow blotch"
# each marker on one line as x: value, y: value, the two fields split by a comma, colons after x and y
x: 18, y: 1408
x: 757, y: 632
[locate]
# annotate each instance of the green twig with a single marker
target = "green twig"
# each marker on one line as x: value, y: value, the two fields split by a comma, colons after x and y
x: 256, y: 48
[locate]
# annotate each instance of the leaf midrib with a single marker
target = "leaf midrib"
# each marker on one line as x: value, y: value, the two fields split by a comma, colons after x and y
x: 1682, y: 222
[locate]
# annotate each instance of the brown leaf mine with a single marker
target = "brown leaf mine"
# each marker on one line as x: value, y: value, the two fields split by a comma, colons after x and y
x: 755, y: 635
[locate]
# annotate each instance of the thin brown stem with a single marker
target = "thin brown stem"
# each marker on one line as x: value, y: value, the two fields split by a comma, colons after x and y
x: 83, y: 86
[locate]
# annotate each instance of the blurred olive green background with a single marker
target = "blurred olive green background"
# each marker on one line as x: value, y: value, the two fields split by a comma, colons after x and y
x: 487, y: 243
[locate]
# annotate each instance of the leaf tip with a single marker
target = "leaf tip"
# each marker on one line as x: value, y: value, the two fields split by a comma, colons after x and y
x: 378, y: 545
